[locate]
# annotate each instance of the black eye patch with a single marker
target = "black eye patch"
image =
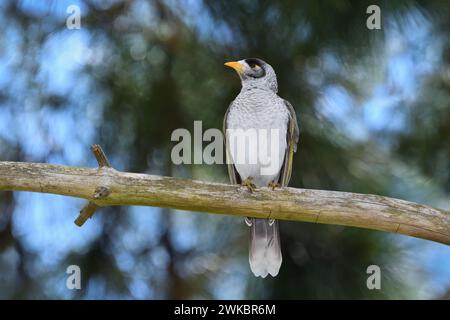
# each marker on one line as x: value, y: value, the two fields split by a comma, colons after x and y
x: 253, y: 62
x: 259, y: 72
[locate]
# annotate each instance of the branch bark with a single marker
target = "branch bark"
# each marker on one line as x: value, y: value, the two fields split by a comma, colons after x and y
x: 106, y: 186
x: 100, y: 192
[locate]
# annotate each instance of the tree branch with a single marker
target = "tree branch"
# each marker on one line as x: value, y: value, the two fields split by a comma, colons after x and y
x: 100, y: 192
x: 105, y: 186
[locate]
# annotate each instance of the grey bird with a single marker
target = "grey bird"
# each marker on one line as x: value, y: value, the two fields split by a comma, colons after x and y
x: 258, y: 107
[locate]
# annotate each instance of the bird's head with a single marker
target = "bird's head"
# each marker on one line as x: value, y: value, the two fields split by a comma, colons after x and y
x: 255, y: 73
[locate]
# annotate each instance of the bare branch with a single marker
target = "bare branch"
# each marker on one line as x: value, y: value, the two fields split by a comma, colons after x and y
x: 100, y: 156
x: 86, y: 213
x: 105, y: 187
x: 100, y: 192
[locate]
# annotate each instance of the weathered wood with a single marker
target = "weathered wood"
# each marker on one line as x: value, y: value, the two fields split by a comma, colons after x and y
x: 100, y: 156
x: 86, y: 213
x: 318, y: 206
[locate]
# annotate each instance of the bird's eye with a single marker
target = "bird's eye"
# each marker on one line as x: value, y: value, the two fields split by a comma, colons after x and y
x: 253, y: 63
x: 256, y: 68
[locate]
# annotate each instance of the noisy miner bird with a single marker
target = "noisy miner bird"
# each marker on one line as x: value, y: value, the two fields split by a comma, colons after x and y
x: 258, y: 107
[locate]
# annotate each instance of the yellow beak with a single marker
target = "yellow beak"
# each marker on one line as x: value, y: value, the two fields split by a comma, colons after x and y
x: 236, y: 66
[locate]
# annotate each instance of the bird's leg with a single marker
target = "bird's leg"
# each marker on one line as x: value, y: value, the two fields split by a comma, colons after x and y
x: 248, y: 183
x: 274, y: 184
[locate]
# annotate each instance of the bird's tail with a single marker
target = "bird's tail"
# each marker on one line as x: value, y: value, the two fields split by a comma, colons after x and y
x: 265, y: 251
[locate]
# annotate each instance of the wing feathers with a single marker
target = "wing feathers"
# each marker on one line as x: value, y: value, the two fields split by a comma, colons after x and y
x: 292, y: 140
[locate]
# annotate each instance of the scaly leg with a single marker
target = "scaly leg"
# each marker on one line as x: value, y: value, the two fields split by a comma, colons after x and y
x: 273, y: 184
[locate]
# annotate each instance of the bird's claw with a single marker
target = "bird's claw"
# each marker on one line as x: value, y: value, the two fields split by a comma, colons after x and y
x: 248, y: 183
x: 274, y: 185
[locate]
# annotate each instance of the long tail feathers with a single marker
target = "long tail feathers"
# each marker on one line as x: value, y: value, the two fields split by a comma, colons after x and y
x: 265, y: 251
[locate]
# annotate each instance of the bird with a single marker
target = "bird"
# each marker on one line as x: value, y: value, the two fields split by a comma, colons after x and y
x: 258, y: 107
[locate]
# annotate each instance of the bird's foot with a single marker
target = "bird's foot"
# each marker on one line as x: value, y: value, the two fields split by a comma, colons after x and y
x: 248, y: 183
x: 273, y: 185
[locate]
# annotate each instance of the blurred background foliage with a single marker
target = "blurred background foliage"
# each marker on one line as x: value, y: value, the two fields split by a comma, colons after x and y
x: 374, y: 112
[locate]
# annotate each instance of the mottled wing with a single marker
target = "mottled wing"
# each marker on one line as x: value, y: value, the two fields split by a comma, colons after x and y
x: 292, y: 140
x: 232, y: 172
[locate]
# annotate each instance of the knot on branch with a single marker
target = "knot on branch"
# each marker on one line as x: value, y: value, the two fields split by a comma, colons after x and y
x: 100, y: 192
